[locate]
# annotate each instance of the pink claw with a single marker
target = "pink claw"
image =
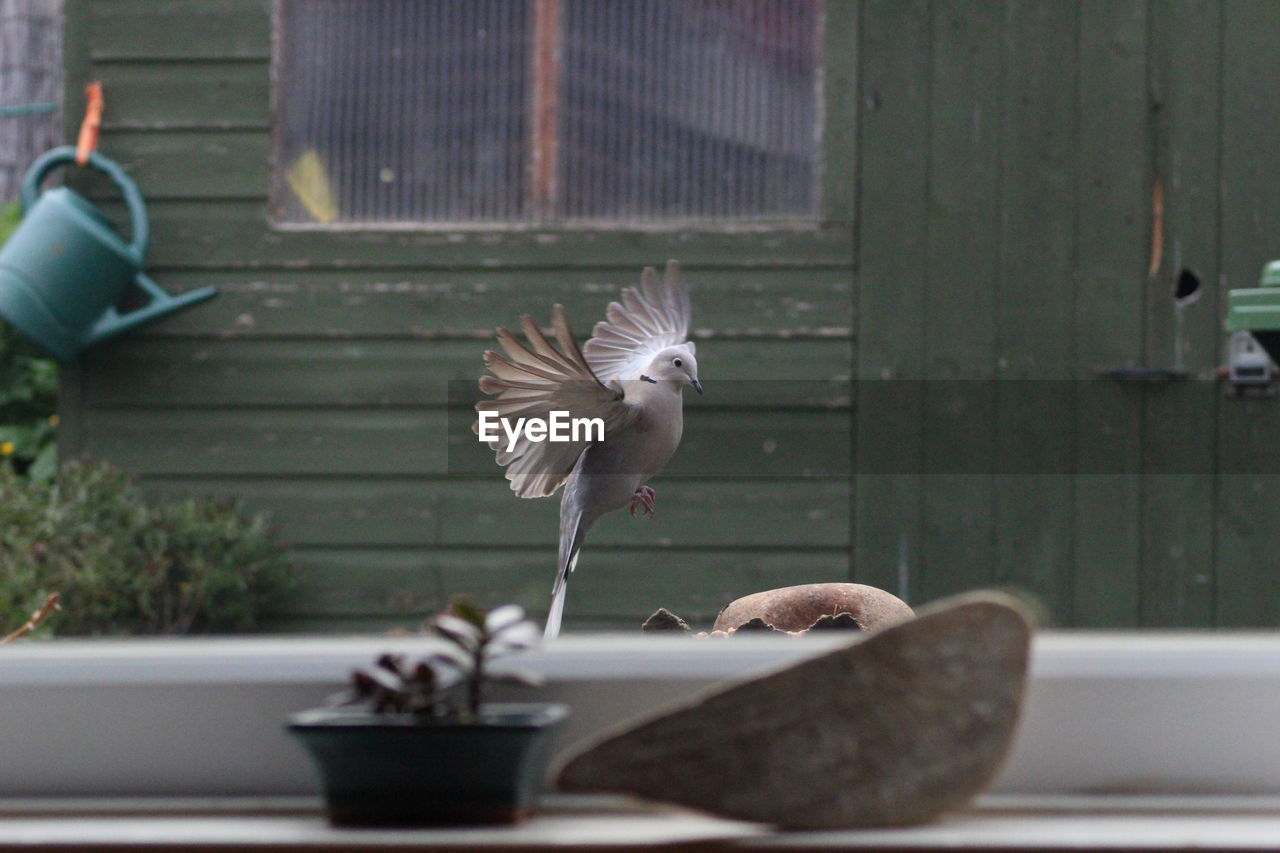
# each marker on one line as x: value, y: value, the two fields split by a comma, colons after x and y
x: 643, y: 500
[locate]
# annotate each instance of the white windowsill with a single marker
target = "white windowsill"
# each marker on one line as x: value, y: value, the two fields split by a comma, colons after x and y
x: 994, y: 823
x: 1110, y: 713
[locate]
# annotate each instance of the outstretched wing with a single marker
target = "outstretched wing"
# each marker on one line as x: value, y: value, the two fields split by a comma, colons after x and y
x: 650, y: 319
x: 531, y: 383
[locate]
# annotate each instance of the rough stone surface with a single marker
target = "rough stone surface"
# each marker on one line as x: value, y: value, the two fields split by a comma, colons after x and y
x: 663, y: 619
x: 756, y: 624
x: 797, y: 608
x: 839, y: 622
x: 891, y: 730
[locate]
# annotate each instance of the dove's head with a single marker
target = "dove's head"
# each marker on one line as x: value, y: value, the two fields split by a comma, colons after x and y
x: 675, y: 364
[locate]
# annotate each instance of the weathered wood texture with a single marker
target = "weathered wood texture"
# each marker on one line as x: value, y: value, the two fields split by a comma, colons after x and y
x: 1011, y: 158
x: 990, y: 172
x: 318, y: 384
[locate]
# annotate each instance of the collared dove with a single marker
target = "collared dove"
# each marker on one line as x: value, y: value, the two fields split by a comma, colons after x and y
x: 630, y: 375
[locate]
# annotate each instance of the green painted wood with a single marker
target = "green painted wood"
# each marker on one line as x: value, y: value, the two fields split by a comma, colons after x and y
x: 192, y: 29
x: 840, y: 110
x: 184, y: 94
x: 795, y: 303
x: 1112, y: 224
x: 989, y: 170
x: 782, y: 444
x: 230, y: 235
x: 1039, y: 138
x: 399, y: 512
x: 415, y: 441
x: 613, y: 583
x: 184, y: 373
x: 272, y: 442
x: 773, y: 513
x: 842, y: 124
x: 892, y: 242
x: 696, y: 585
x: 1177, y: 563
x: 959, y: 312
x: 210, y: 164
x: 76, y: 44
x: 1248, y: 504
x: 74, y: 439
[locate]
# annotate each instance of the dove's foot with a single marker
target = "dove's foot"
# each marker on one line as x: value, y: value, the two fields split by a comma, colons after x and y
x: 643, y: 500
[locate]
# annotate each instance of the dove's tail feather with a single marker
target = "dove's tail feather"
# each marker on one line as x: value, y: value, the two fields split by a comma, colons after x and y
x: 557, y: 601
x: 571, y: 534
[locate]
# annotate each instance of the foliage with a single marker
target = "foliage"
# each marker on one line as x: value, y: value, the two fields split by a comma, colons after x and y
x: 10, y: 214
x: 28, y: 393
x: 124, y: 565
x: 449, y: 683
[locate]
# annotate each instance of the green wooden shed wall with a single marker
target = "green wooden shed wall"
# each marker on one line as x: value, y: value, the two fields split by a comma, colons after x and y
x: 1010, y: 190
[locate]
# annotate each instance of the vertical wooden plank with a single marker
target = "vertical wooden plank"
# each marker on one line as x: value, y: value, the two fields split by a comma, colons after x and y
x: 840, y: 123
x: 1248, y: 499
x: 76, y: 46
x: 76, y: 35
x: 840, y: 112
x: 1179, y: 419
x: 959, y: 334
x: 891, y: 243
x: 1111, y: 259
x: 1033, y: 494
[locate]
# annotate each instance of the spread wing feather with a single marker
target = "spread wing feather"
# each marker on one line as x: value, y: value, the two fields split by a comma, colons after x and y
x: 531, y: 382
x: 648, y: 320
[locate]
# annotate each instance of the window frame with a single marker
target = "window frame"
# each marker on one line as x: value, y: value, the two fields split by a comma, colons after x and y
x: 837, y: 97
x: 1107, y: 712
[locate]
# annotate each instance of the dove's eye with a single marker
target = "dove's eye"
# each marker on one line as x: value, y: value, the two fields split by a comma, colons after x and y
x: 677, y: 362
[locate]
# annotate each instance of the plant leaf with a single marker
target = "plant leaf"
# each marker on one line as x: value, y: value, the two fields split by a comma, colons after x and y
x: 468, y: 612
x: 521, y: 635
x: 450, y: 658
x: 370, y: 681
x: 459, y: 631
x: 392, y: 663
x: 501, y: 618
x: 45, y: 467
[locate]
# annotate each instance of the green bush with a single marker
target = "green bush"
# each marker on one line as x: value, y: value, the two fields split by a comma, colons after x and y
x: 28, y: 393
x: 125, y: 565
x: 10, y: 214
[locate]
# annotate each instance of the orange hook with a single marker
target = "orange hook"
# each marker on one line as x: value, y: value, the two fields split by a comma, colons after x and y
x: 92, y: 124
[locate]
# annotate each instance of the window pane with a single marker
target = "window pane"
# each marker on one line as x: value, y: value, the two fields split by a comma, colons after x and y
x: 475, y: 111
x: 690, y: 109
x: 401, y: 110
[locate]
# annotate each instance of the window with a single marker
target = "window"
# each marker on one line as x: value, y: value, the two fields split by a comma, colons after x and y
x: 1106, y: 712
x: 544, y: 112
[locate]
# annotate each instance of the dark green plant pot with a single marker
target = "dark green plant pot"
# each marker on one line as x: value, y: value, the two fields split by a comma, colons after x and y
x: 399, y: 770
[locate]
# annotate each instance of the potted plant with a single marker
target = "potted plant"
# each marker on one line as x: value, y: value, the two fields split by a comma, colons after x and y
x: 415, y: 743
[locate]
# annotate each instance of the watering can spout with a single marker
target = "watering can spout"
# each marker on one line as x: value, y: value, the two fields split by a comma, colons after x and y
x: 163, y: 304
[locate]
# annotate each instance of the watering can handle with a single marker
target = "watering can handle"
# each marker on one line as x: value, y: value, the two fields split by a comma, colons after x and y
x: 51, y: 160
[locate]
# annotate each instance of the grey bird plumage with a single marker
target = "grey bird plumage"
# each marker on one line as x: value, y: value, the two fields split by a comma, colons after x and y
x: 631, y: 374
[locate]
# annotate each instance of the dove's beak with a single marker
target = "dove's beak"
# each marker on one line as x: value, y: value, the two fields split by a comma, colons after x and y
x: 697, y: 386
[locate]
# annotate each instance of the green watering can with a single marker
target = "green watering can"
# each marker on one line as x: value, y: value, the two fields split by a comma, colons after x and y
x: 64, y: 269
